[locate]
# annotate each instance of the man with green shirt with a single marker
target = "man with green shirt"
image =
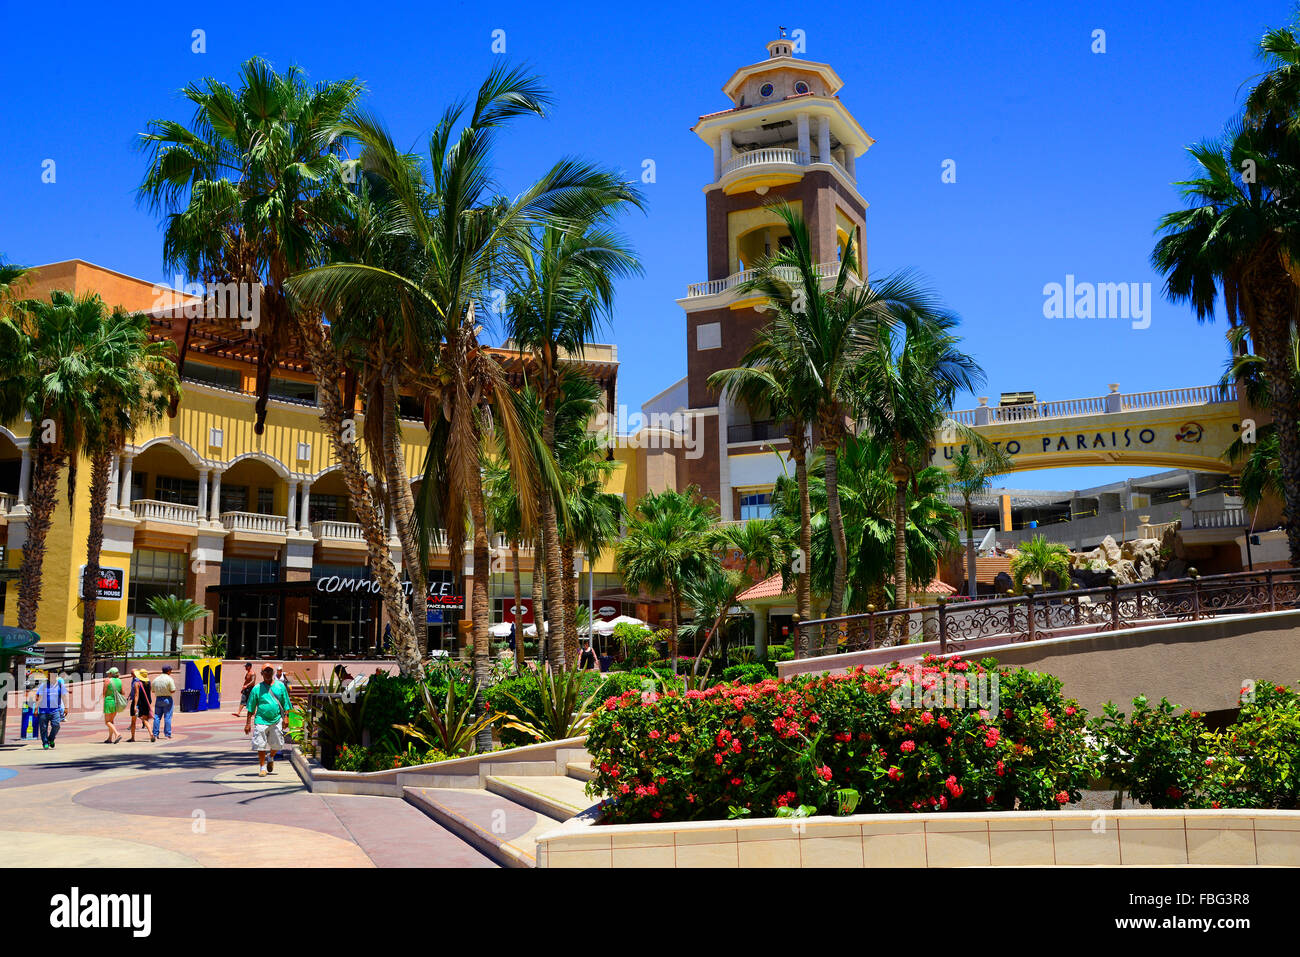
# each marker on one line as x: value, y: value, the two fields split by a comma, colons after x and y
x: 268, y: 703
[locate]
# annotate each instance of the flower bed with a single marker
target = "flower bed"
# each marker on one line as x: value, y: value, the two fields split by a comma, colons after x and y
x: 944, y: 735
x: 903, y: 739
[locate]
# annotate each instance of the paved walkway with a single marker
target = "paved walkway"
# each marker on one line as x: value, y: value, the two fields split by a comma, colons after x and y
x: 196, y: 801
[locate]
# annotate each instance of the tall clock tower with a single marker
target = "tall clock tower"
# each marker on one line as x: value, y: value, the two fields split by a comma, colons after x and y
x: 785, y: 137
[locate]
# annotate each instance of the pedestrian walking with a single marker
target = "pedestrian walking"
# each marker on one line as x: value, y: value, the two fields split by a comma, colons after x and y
x: 268, y: 703
x: 164, y: 700
x: 250, y: 679
x: 114, y: 701
x: 52, y: 700
x: 141, y: 702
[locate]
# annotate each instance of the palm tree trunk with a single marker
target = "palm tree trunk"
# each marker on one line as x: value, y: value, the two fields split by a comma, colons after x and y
x: 479, y: 606
x: 514, y: 613
x: 672, y: 619
x: 41, y: 502
x: 100, y: 465
x: 402, y: 501
x: 571, y: 652
x: 538, y: 615
x: 559, y: 638
x: 970, y: 549
x: 329, y: 374
x: 900, y: 526
x: 837, y: 531
x: 803, y: 586
x: 1272, y: 321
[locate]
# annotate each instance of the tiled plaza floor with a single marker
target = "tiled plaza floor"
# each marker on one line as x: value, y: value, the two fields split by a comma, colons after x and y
x: 195, y: 801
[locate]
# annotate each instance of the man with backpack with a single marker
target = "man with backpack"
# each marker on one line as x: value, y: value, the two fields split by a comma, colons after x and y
x: 268, y: 703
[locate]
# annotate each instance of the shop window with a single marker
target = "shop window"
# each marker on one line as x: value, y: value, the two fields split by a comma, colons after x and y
x: 234, y: 498
x: 249, y: 571
x: 755, y: 506
x: 178, y: 491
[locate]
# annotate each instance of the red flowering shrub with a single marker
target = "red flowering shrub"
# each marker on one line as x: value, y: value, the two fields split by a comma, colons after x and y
x: 941, y: 735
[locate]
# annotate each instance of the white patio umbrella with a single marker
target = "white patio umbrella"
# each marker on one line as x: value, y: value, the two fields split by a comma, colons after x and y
x: 624, y: 620
x: 500, y: 630
x: 531, y: 630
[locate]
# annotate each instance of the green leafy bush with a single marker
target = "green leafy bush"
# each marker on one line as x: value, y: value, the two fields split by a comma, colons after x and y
x: 746, y: 673
x: 1155, y: 754
x: 897, y: 736
x: 112, y: 640
x: 637, y: 642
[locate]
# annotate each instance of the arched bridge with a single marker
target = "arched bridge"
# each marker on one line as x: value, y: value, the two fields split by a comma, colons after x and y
x: 1173, y: 428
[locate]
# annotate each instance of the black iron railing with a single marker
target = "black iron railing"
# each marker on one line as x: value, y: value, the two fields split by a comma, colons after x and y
x: 1034, y: 614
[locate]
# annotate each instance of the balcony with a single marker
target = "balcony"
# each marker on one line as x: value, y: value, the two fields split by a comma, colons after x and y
x: 152, y: 510
x: 255, y: 522
x: 336, y: 531
x: 7, y: 502
x: 726, y: 287
x: 771, y: 166
x: 765, y: 431
x: 1221, y: 518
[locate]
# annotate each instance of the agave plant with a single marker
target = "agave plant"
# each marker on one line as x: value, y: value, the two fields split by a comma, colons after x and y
x: 449, y: 726
x: 560, y: 715
x: 332, y: 718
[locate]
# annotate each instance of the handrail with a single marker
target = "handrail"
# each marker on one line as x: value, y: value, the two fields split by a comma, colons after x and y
x: 150, y: 508
x: 716, y: 286
x: 772, y: 154
x: 254, y: 522
x: 1097, y: 405
x: 1026, y: 617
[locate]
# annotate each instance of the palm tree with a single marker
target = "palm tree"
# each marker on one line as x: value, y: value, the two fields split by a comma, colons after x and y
x: 461, y: 240
x: 506, y: 519
x: 667, y: 542
x: 131, y: 381
x: 868, y: 492
x: 11, y: 281
x: 177, y: 613
x: 45, y: 374
x: 1261, y: 469
x: 560, y: 293
x: 833, y: 329
x: 1039, y: 558
x: 972, y: 473
x: 1240, y: 237
x: 908, y: 383
x: 252, y: 189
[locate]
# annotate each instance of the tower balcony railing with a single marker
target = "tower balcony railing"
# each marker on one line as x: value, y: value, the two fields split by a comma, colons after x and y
x: 763, y: 157
x: 715, y: 287
x: 254, y: 522
x: 174, y: 512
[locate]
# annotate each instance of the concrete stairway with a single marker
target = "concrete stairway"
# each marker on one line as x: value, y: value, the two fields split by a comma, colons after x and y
x: 505, y: 816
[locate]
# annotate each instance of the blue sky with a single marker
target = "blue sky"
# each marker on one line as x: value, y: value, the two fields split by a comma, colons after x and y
x: 1064, y: 157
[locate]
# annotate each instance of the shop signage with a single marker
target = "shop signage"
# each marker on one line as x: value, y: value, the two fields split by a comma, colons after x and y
x: 441, y: 594
x: 108, y: 586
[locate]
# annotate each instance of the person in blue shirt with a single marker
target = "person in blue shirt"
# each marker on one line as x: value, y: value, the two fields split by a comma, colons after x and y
x: 52, y: 700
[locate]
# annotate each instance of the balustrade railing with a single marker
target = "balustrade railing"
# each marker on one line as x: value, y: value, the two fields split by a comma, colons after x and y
x: 344, y: 531
x: 764, y: 156
x: 1033, y: 615
x: 6, y: 503
x: 1221, y: 518
x: 148, y: 508
x: 254, y: 522
x: 1096, y: 405
x: 717, y: 286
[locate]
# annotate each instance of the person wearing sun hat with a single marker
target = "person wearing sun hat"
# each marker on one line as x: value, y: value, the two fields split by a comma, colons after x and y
x: 141, y: 701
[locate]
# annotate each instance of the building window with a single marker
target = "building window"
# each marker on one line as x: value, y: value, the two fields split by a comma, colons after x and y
x: 755, y: 506
x: 765, y: 89
x: 249, y: 571
x: 328, y: 508
x: 801, y: 87
x: 153, y: 573
x: 410, y: 407
x: 214, y: 375
x: 251, y: 622
x: 178, y: 491
x: 234, y: 498
x: 266, y: 501
x: 292, y: 391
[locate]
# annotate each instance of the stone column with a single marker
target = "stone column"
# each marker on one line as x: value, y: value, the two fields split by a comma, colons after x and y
x: 1191, y: 486
x: 824, y: 139
x: 304, y: 507
x: 291, y: 509
x: 127, y: 459
x: 804, y: 146
x: 24, y: 477
x: 760, y: 631
x: 850, y: 163
x: 724, y: 152
x: 214, y: 509
x: 203, y: 493
x: 112, y: 484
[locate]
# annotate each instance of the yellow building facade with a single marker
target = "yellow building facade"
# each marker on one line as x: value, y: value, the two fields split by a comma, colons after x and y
x: 257, y: 528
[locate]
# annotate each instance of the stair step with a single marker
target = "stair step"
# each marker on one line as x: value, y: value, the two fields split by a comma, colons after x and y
x: 501, y: 829
x: 557, y: 796
x: 582, y: 770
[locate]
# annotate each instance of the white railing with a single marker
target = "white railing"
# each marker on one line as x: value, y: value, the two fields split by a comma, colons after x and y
x: 1097, y: 405
x: 254, y: 522
x: 343, y: 531
x: 1172, y: 398
x: 1220, y: 518
x: 6, y: 503
x: 157, y: 511
x: 715, y: 287
x: 763, y: 157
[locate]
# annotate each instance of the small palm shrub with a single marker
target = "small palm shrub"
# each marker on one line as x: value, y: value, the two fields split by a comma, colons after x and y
x: 113, y: 641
